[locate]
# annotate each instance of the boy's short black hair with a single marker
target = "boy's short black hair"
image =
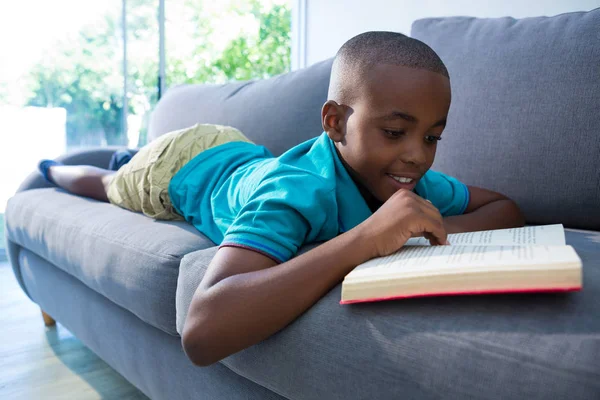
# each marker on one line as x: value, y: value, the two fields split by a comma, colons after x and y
x: 363, y: 51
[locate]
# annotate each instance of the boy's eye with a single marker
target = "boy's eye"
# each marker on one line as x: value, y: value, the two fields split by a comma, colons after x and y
x: 432, y: 139
x: 393, y: 134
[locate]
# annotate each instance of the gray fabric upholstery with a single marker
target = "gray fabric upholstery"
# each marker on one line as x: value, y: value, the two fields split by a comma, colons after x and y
x: 129, y: 258
x: 97, y: 157
x: 12, y: 253
x: 534, y: 346
x: 525, y: 117
x: 278, y: 113
x: 149, y: 358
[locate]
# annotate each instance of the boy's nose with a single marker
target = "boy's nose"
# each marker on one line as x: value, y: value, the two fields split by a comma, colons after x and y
x: 414, y: 154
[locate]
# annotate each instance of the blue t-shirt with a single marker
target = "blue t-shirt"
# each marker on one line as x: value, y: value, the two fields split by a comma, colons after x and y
x: 238, y: 194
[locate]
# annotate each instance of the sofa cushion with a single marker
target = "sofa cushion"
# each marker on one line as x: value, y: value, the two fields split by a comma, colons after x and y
x: 278, y: 113
x: 535, y: 346
x: 131, y: 259
x: 524, y: 118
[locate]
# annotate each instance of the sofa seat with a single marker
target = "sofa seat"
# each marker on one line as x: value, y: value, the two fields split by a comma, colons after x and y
x: 539, y: 346
x: 129, y: 258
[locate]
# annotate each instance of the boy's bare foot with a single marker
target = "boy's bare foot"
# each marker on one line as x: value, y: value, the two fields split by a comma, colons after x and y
x: 44, y: 167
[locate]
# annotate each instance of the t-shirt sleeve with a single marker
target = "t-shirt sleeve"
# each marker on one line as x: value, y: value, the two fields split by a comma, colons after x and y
x: 280, y: 215
x: 446, y: 193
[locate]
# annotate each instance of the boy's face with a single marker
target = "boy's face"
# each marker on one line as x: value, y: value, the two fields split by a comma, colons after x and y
x: 390, y: 130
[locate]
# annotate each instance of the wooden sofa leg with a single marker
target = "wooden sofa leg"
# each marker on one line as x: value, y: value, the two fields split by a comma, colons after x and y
x: 48, y: 320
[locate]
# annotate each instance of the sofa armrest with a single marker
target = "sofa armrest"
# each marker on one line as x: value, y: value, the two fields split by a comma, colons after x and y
x: 98, y: 157
x: 191, y: 271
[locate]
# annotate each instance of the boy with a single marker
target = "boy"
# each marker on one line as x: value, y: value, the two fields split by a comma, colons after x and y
x: 363, y: 186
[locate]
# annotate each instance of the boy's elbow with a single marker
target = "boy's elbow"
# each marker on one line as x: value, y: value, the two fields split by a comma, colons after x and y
x: 517, y: 214
x: 198, y: 340
x: 198, y: 346
x: 194, y: 350
x: 511, y: 213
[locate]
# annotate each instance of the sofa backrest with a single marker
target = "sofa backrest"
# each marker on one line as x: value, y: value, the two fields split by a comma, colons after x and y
x: 278, y: 113
x: 525, y: 113
x: 524, y: 119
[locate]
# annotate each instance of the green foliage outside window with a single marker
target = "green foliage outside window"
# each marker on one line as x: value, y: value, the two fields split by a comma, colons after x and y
x: 84, y: 74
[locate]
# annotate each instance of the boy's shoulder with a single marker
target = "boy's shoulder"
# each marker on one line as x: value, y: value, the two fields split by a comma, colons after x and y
x: 307, y: 165
x: 289, y: 178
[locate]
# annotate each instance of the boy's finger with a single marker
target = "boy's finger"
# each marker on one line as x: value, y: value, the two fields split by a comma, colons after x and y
x: 432, y: 239
x: 427, y: 203
x: 430, y: 210
x: 437, y: 230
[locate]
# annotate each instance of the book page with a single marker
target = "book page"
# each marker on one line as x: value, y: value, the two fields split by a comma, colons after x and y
x: 439, y: 259
x: 548, y: 235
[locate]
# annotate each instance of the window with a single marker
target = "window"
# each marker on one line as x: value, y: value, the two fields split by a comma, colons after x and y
x: 216, y: 42
x: 61, y: 83
x: 62, y: 80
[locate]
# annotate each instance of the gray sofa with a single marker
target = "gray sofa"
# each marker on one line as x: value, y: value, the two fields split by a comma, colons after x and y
x: 525, y: 121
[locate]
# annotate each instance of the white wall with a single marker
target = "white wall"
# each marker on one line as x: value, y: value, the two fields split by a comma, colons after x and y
x: 329, y: 23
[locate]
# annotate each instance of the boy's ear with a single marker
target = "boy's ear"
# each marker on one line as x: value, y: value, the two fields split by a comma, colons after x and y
x: 333, y: 118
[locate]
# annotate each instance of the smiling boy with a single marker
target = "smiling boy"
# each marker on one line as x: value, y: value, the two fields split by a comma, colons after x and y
x: 363, y: 187
x: 387, y: 106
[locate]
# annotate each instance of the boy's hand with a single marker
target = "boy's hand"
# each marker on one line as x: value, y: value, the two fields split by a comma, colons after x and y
x: 403, y: 216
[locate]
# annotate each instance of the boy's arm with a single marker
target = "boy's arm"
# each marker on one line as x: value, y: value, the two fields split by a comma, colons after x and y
x: 486, y: 210
x: 247, y: 297
x: 244, y: 298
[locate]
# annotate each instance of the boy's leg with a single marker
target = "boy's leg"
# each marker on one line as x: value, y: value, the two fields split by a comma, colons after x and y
x: 83, y: 180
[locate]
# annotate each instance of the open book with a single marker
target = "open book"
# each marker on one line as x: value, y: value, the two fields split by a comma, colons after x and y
x: 529, y: 259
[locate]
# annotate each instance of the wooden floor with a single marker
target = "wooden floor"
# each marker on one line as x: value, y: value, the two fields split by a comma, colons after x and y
x: 48, y: 363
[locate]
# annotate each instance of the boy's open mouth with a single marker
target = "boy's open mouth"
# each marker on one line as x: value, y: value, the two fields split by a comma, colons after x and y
x: 404, y: 181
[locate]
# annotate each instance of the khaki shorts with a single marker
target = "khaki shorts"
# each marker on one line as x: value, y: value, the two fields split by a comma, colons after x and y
x: 142, y: 185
